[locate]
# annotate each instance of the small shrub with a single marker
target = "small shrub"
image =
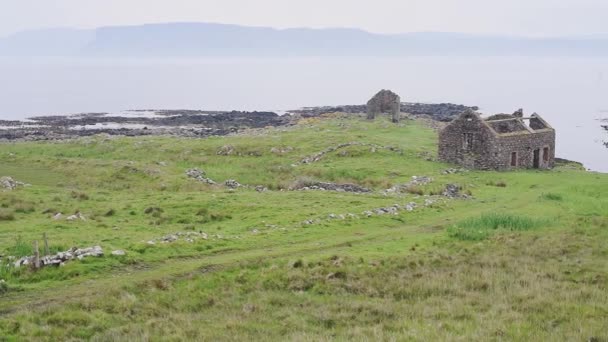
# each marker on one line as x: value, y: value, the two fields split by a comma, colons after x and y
x: 297, y: 264
x: 211, y: 216
x: 202, y: 212
x: 3, y: 287
x: 81, y: 196
x: 551, y: 197
x: 499, y: 184
x: 23, y: 206
x: 7, y: 215
x: 414, y: 190
x: 302, y: 182
x: 154, y: 211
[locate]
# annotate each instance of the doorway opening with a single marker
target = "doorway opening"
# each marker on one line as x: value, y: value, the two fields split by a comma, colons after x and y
x: 536, y: 160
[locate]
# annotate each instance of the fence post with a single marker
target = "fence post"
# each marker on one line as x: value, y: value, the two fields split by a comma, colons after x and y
x: 36, y: 255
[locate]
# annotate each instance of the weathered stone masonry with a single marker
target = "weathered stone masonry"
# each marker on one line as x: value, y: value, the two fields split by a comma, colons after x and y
x: 503, y: 143
x: 384, y: 101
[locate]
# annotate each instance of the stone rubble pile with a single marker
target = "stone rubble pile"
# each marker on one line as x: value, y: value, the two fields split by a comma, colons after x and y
x: 199, y: 175
x: 454, y: 171
x: 333, y: 187
x: 8, y: 183
x: 232, y: 184
x: 453, y: 191
x: 281, y: 150
x: 416, y: 181
x: 225, y: 150
x: 186, y: 236
x: 77, y: 216
x: 60, y: 258
x: 261, y: 188
x: 392, y: 210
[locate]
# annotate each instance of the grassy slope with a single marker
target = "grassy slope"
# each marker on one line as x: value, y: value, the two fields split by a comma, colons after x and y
x: 387, y: 277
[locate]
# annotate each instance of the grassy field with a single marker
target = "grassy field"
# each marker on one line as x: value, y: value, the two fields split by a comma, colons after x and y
x: 523, y: 259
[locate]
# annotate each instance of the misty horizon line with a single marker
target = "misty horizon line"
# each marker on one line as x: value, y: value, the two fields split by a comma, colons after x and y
x: 200, y: 39
x: 324, y: 28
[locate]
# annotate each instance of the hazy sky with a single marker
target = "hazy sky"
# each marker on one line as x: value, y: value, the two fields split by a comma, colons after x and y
x: 521, y: 17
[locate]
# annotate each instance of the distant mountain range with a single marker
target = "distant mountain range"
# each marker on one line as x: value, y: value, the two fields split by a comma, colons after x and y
x: 220, y: 40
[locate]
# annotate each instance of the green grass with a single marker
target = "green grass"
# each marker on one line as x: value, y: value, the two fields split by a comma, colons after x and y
x: 479, y: 228
x: 534, y: 270
x: 551, y: 197
x: 7, y: 215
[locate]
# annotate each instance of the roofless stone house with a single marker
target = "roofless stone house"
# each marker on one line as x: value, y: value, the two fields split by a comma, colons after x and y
x: 501, y: 142
x: 385, y: 101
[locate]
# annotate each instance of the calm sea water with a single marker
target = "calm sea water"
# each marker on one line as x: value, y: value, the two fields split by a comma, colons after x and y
x: 569, y: 93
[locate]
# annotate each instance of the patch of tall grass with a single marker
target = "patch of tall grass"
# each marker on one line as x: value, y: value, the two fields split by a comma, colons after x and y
x: 480, y: 228
x: 551, y: 197
x: 7, y: 215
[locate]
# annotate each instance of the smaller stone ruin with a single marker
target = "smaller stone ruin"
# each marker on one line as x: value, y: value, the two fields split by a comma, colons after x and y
x: 384, y: 102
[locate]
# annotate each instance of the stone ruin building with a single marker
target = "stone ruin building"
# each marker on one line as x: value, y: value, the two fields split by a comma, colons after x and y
x: 384, y: 101
x: 500, y: 142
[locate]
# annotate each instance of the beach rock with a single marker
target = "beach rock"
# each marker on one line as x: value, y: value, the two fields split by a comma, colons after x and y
x: 443, y: 112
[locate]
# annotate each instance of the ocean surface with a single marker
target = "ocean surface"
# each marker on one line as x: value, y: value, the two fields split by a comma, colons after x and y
x: 570, y: 93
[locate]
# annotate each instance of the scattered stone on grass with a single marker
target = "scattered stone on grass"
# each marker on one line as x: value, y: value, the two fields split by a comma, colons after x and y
x: 333, y: 187
x: 77, y: 216
x: 261, y: 188
x: 416, y: 181
x: 281, y: 150
x: 187, y: 236
x: 199, y: 175
x: 232, y: 184
x: 454, y: 171
x: 453, y: 191
x: 225, y: 150
x: 119, y: 252
x: 61, y: 257
x: 8, y: 183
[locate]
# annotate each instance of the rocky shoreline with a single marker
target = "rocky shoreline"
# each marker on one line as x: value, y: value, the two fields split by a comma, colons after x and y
x: 187, y: 123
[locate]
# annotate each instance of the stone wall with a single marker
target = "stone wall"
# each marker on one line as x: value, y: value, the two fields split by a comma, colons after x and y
x: 385, y: 101
x: 470, y: 142
x: 524, y: 145
x: 452, y: 147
